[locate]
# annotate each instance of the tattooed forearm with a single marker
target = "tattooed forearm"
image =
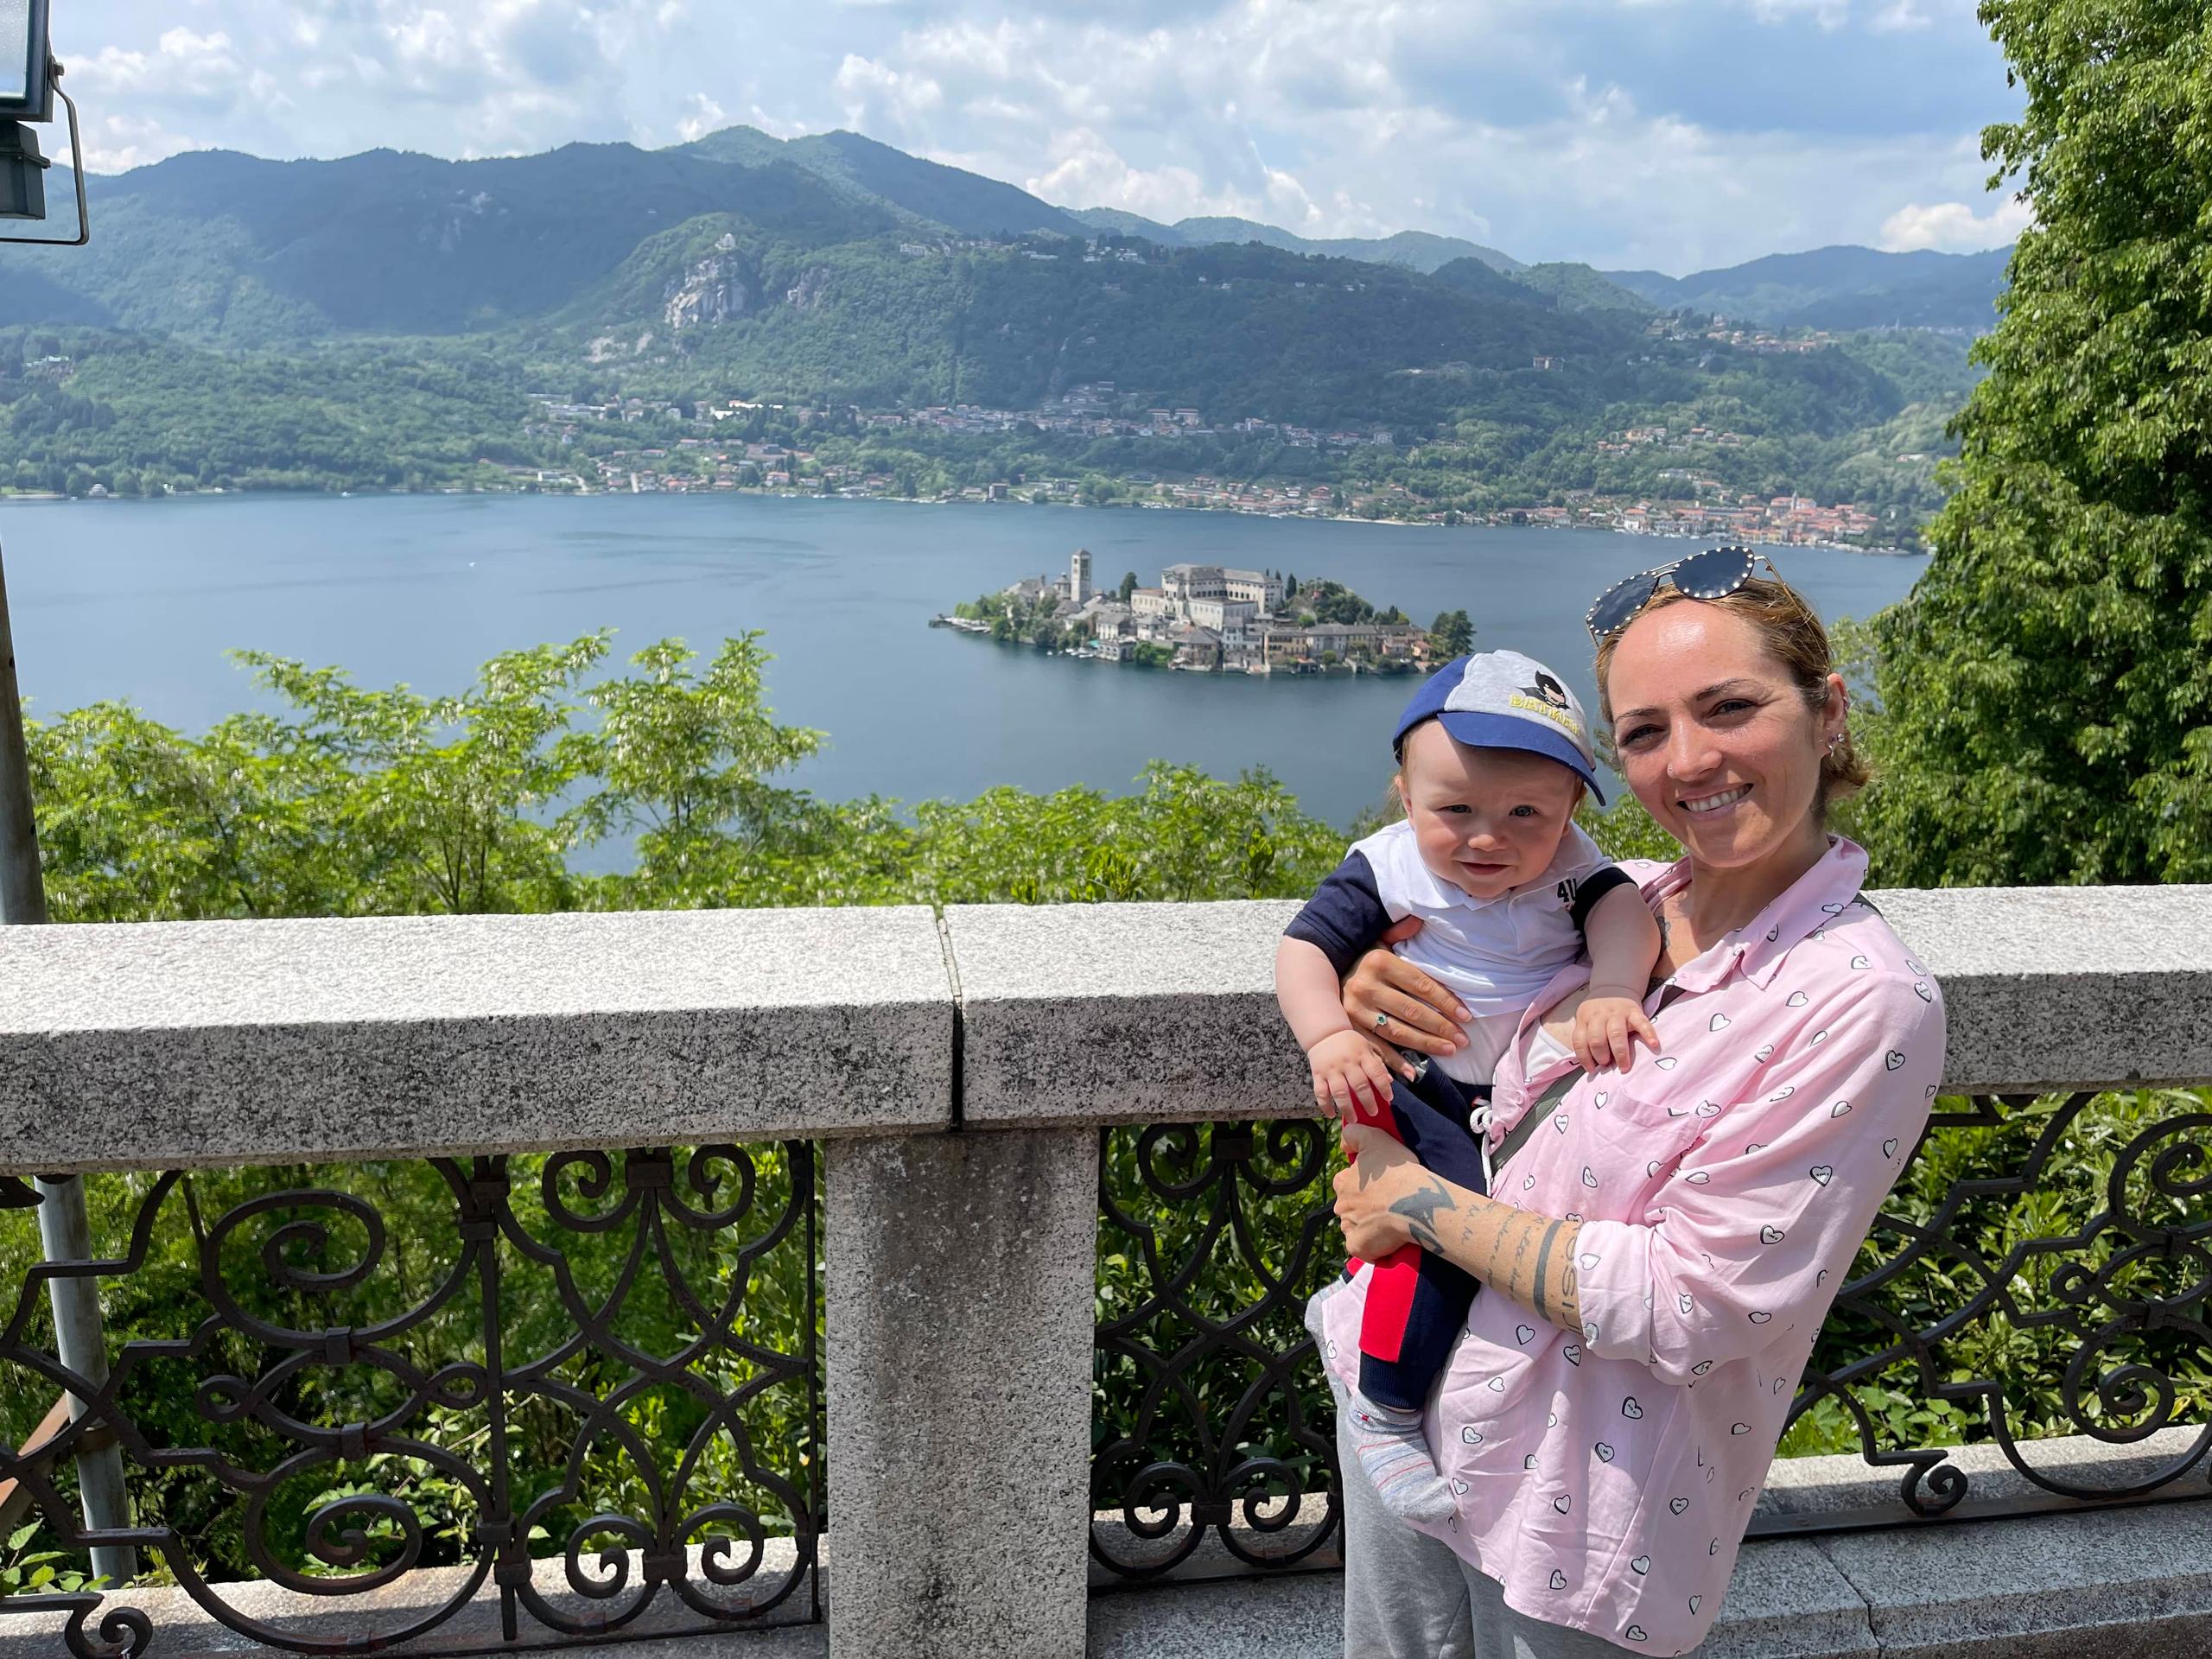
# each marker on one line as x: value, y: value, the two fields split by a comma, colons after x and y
x: 1528, y: 1258
x: 1421, y: 1209
x: 1567, y: 1310
x: 1559, y: 1300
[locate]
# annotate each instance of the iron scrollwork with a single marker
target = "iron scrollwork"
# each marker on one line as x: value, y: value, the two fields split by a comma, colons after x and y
x: 1213, y: 1238
x: 2124, y: 1292
x: 619, y: 1305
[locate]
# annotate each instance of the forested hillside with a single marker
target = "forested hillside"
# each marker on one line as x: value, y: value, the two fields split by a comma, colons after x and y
x: 1841, y: 288
x: 382, y: 321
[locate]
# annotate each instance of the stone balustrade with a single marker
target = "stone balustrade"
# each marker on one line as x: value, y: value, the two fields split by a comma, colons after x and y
x: 957, y: 1071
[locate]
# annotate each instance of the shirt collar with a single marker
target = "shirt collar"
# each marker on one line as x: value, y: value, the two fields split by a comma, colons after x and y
x: 1762, y: 944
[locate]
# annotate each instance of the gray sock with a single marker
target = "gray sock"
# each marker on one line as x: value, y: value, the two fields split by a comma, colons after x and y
x: 1395, y: 1452
x: 1389, y: 1443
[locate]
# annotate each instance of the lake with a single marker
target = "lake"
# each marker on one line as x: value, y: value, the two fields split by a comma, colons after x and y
x: 138, y: 600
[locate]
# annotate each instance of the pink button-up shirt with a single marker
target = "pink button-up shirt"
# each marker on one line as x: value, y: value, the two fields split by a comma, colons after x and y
x: 1723, y: 1186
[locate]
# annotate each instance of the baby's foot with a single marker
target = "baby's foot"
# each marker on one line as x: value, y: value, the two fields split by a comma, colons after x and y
x: 1394, y: 1453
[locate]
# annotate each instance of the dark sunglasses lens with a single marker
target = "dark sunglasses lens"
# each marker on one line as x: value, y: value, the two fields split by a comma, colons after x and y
x: 1716, y: 571
x: 1621, y: 601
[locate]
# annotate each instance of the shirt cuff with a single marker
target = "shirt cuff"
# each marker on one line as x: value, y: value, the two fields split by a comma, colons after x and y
x: 1612, y: 1262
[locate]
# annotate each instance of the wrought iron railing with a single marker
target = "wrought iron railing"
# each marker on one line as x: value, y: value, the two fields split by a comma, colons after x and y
x: 326, y: 1380
x: 1210, y: 1416
x: 440, y: 1384
x: 2041, y: 1270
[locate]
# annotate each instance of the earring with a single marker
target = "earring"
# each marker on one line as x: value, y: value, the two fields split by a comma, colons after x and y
x: 1835, y: 740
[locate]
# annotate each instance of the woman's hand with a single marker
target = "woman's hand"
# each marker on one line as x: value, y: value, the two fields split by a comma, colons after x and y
x: 1394, y: 1005
x: 1365, y: 1188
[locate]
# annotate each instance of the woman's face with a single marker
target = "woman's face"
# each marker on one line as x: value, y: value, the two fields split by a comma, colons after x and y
x: 1714, y: 737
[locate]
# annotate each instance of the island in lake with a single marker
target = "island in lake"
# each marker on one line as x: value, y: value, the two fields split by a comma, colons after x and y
x: 1209, y: 619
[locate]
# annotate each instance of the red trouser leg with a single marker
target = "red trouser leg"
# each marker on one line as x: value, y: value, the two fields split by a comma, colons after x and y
x: 1390, y: 1290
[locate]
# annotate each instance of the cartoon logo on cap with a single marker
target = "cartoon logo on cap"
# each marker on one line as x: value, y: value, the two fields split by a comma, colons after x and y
x: 1549, y: 689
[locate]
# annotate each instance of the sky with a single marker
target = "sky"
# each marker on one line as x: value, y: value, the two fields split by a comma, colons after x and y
x: 1674, y: 135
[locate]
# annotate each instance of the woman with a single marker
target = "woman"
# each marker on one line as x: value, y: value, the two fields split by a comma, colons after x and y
x: 1665, y: 1240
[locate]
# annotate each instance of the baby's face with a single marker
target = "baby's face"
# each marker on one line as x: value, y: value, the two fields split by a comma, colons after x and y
x: 1485, y: 820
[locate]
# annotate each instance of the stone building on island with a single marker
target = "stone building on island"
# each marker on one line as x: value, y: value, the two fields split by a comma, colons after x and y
x: 1216, y: 618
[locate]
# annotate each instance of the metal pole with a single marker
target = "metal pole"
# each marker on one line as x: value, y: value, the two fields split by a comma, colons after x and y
x: 65, y: 1231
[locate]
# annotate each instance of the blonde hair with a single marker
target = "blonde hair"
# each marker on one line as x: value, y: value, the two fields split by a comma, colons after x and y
x: 1793, y: 636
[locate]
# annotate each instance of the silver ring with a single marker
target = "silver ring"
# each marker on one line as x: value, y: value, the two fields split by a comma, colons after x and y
x: 1380, y: 1021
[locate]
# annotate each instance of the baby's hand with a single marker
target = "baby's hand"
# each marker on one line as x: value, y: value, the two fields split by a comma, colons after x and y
x: 1350, y: 1080
x: 1603, y: 1027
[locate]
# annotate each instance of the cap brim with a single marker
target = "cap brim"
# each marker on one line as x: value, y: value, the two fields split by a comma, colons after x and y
x: 1483, y: 731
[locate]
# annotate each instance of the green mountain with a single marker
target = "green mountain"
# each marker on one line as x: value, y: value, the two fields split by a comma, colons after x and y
x: 1577, y: 287
x: 1840, y: 287
x: 385, y: 319
x: 1416, y: 250
x: 222, y: 248
x: 1232, y: 330
x: 865, y: 170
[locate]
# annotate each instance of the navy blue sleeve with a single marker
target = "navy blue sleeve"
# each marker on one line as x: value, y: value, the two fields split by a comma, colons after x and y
x: 1581, y: 895
x: 1345, y: 916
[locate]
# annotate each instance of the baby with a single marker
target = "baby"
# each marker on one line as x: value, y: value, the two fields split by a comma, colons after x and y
x: 1493, y: 756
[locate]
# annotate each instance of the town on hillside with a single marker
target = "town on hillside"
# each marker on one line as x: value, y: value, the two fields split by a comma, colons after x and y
x: 700, y: 455
x: 1205, y: 619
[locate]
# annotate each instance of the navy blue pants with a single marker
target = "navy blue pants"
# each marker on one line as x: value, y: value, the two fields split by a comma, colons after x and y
x: 1430, y: 1117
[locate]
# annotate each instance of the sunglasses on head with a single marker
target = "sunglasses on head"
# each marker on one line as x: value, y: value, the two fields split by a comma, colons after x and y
x: 1709, y: 575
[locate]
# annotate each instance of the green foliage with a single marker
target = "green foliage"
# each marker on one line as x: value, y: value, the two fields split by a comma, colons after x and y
x: 680, y: 759
x: 1625, y: 831
x: 142, y: 415
x: 26, y: 1570
x: 1332, y: 602
x: 352, y: 802
x: 2045, y: 712
x: 1577, y: 287
x: 1452, y: 634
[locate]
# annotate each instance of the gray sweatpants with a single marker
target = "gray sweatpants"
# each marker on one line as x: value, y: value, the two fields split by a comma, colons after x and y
x: 1408, y: 1597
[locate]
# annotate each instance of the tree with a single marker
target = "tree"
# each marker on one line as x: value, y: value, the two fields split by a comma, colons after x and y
x: 1128, y: 585
x: 1451, y: 635
x: 2045, y: 714
x: 443, y: 800
x: 681, y: 758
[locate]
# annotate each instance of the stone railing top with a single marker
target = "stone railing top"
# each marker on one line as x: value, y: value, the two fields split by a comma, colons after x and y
x: 169, y: 1044
x: 206, y: 1043
x: 1131, y: 1013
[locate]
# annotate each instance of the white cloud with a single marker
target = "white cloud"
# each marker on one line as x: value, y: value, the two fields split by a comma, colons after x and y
x: 706, y: 116
x: 1953, y: 226
x: 1828, y: 13
x: 335, y: 75
x: 1552, y: 128
x: 183, y: 66
x: 874, y: 93
x: 1087, y: 171
x: 116, y: 144
x: 1900, y: 16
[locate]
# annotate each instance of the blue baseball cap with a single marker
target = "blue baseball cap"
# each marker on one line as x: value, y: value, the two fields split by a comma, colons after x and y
x: 1502, y: 700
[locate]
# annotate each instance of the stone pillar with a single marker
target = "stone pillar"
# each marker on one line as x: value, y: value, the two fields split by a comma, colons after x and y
x: 960, y: 1274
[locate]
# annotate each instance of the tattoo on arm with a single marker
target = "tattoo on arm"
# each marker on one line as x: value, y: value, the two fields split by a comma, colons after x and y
x: 1564, y: 1305
x: 1420, y: 1209
x: 1544, y: 1265
x: 1529, y: 1258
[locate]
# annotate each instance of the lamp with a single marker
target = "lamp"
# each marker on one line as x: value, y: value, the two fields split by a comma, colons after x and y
x: 29, y: 75
x: 26, y: 88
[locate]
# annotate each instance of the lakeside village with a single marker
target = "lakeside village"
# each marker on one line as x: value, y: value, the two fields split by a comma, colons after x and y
x: 1696, y: 504
x: 1204, y: 618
